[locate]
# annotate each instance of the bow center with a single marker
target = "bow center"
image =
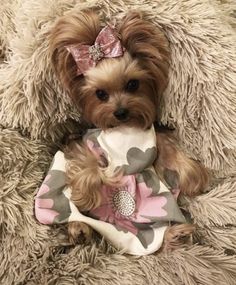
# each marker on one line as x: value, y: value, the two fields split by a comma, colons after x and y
x: 95, y: 52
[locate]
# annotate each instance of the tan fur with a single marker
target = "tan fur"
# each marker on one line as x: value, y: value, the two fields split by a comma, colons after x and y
x: 78, y: 229
x: 140, y: 104
x: 177, y: 236
x: 193, y: 178
x: 145, y: 59
x: 86, y: 175
x: 71, y: 29
x: 148, y: 44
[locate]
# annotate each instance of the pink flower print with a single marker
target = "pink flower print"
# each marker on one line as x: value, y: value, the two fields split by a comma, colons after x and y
x: 118, y: 204
x: 42, y: 190
x: 130, y: 203
x: 98, y: 152
x: 43, y: 207
x: 44, y: 187
x: 43, y: 211
x: 147, y: 205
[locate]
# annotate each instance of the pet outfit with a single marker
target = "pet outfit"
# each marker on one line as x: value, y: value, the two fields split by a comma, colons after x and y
x: 132, y: 217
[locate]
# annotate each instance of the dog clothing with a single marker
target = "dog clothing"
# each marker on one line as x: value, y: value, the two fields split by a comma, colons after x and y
x: 132, y: 217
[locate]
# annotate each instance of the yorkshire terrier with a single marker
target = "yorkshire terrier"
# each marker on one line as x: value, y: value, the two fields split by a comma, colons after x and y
x: 119, y: 86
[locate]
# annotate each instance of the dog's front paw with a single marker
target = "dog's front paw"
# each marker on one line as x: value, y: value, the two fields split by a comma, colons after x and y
x: 79, y: 231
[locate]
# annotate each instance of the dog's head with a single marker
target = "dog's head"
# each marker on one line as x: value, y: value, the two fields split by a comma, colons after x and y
x: 123, y: 90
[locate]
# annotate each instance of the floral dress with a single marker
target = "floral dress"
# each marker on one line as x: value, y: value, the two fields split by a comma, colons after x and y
x: 134, y: 216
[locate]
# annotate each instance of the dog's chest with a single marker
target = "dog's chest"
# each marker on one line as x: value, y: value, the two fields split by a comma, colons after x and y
x: 129, y: 148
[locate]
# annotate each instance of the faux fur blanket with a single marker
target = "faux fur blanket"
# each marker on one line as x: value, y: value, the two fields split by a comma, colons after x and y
x: 199, y: 101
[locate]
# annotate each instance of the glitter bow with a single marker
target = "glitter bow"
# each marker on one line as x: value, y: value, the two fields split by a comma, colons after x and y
x: 107, y: 45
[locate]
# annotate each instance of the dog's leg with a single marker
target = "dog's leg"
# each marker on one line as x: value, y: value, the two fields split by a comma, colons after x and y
x: 177, y: 236
x: 192, y: 177
x: 83, y: 176
x: 77, y: 230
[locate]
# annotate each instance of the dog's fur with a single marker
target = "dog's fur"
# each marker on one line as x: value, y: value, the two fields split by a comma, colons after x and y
x: 146, y: 59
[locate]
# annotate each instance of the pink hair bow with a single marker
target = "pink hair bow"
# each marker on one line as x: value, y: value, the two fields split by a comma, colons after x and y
x: 107, y: 45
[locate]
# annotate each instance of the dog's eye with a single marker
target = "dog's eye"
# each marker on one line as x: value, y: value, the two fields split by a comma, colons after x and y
x: 102, y: 95
x: 132, y: 85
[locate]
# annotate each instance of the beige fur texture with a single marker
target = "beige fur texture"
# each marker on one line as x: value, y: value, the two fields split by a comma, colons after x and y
x: 199, y: 102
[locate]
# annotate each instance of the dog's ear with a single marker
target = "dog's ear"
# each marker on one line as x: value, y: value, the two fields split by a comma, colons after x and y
x: 144, y: 41
x: 73, y: 28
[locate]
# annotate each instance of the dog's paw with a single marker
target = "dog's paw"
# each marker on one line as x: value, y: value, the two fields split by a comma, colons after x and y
x: 78, y: 231
x: 178, y: 236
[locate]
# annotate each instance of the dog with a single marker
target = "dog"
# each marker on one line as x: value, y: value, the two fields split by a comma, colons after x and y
x: 112, y: 90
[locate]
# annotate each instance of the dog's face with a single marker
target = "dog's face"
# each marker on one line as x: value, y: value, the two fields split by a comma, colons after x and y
x: 117, y: 91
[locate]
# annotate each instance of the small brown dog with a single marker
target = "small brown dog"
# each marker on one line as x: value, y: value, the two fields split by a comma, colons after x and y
x: 122, y: 90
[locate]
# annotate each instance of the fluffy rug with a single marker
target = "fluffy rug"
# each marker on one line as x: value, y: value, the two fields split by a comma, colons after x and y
x: 200, y: 102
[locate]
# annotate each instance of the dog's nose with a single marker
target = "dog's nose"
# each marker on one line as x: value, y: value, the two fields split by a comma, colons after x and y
x: 121, y: 114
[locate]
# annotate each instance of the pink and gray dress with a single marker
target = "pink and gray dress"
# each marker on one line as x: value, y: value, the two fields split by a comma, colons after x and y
x: 132, y: 217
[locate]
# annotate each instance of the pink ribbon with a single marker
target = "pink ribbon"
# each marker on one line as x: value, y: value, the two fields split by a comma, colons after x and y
x: 107, y: 45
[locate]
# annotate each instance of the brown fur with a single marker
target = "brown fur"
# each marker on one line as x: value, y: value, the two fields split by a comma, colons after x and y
x: 86, y: 174
x: 145, y: 59
x: 140, y: 104
x: 192, y: 175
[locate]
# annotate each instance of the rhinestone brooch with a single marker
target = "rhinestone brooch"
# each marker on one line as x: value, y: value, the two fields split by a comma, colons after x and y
x: 95, y: 52
x: 124, y: 203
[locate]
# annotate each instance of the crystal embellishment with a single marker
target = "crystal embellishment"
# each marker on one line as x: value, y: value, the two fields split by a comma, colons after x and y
x: 124, y: 203
x: 95, y: 52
